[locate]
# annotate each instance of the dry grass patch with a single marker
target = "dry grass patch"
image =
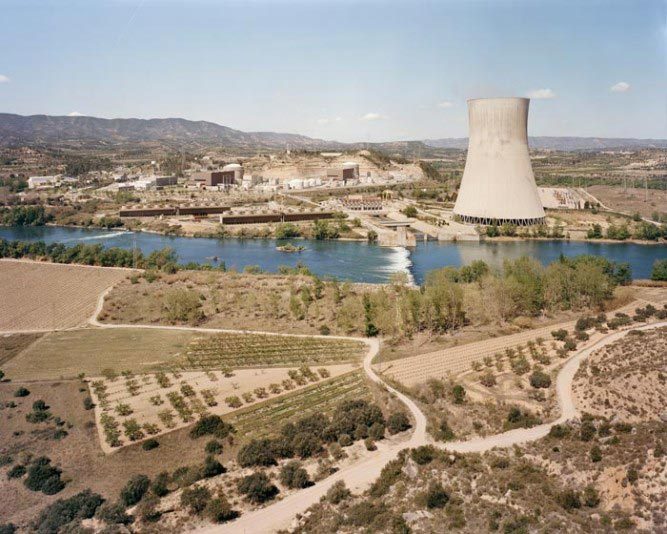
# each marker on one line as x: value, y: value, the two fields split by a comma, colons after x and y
x: 47, y: 296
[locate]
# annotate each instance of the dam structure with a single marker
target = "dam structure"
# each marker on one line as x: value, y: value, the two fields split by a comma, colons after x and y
x: 498, y: 185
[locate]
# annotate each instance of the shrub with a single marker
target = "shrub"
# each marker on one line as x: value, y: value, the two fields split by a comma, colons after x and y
x: 444, y: 431
x: 376, y: 431
x: 570, y: 344
x: 134, y: 490
x: 338, y: 492
x: 212, y: 467
x: 398, y: 422
x: 114, y: 514
x: 539, y: 379
x: 423, y: 455
x: 591, y: 497
x: 369, y: 443
x: 21, y: 392
x: 219, y: 510
x: 596, y: 454
x: 257, y: 488
x: 256, y: 452
x: 44, y: 477
x: 213, y: 447
x: 17, y: 471
x: 520, y: 419
x: 436, y: 496
x: 150, y: 444
x: 560, y: 334
x: 88, y: 403
x: 459, y: 394
x: 488, y: 379
x: 293, y: 475
x: 587, y: 431
x: 558, y: 431
x: 306, y: 445
x: 195, y: 499
x: 160, y: 485
x: 7, y: 528
x: 83, y: 505
x: 569, y: 499
x: 211, y: 425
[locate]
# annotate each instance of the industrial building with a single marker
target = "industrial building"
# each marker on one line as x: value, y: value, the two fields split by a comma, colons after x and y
x: 498, y: 185
x: 229, y: 175
x: 348, y: 171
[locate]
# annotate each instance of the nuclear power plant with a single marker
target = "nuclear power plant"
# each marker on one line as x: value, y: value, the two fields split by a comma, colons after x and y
x: 498, y: 185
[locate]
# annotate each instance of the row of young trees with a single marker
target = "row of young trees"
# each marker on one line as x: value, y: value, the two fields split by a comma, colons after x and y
x: 643, y: 230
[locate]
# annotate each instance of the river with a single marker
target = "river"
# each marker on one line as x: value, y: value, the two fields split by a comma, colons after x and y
x: 347, y: 260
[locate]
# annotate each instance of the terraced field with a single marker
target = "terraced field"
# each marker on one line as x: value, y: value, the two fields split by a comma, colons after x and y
x: 265, y: 418
x: 257, y: 350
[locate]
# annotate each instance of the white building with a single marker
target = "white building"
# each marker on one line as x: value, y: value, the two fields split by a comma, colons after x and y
x: 35, y: 182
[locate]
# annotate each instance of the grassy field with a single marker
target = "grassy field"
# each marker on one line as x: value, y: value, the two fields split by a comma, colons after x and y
x: 46, y: 296
x: 66, y: 354
x: 12, y: 344
x: 267, y: 417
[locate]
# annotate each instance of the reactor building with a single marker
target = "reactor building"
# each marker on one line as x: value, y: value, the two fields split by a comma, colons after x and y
x: 498, y: 185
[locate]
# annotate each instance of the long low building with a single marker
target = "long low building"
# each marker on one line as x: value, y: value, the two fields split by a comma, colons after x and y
x: 173, y: 210
x: 260, y: 218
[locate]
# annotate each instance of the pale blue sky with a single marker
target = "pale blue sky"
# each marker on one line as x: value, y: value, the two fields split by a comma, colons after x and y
x: 346, y: 70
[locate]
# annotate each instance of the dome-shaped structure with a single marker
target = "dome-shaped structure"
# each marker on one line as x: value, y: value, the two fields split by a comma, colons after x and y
x: 498, y: 185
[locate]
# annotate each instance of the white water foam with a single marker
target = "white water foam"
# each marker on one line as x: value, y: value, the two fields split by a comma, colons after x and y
x: 400, y: 261
x: 102, y: 236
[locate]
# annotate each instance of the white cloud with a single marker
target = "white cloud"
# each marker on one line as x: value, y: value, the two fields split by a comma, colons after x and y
x: 445, y: 104
x: 3, y: 78
x: 373, y: 117
x: 620, y: 87
x: 329, y: 121
x: 541, y: 94
x: 75, y: 114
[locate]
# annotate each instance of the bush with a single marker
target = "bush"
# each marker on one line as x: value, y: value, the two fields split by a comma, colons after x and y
x: 596, y: 454
x: 150, y: 444
x: 7, y: 528
x: 114, y: 514
x: 587, y: 431
x: 520, y: 419
x: 306, y: 445
x: 398, y: 422
x: 436, y: 496
x: 83, y: 505
x: 293, y: 475
x: 212, y: 467
x: 558, y: 431
x: 338, y: 492
x: 560, y: 334
x: 370, y: 445
x: 219, y: 510
x: 213, y: 447
x: 42, y: 476
x: 257, y: 488
x: 345, y: 440
x: 21, y: 392
x: 258, y: 452
x: 134, y: 490
x: 570, y: 344
x: 376, y: 431
x: 88, y: 403
x: 659, y: 271
x: 195, y: 499
x: 591, y: 497
x: 423, y: 455
x: 539, y: 379
x: 211, y: 425
x: 459, y: 394
x: 160, y: 485
x: 569, y: 499
x: 17, y: 471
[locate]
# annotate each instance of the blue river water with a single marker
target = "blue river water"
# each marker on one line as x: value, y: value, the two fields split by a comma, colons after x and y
x: 346, y: 260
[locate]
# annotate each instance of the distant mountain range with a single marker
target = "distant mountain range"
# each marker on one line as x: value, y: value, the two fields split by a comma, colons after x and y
x: 93, y: 132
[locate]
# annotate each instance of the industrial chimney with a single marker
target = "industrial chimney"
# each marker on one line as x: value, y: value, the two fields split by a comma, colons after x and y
x: 498, y: 185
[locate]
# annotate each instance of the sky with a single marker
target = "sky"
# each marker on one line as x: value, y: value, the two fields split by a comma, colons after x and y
x: 350, y: 70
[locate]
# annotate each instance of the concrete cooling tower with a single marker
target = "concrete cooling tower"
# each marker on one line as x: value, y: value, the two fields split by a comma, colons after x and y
x: 498, y: 185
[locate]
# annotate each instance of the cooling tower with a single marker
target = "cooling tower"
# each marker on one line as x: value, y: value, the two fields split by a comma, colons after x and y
x: 498, y: 185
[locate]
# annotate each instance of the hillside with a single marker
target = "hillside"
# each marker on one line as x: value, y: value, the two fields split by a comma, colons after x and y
x: 93, y: 131
x: 175, y: 133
